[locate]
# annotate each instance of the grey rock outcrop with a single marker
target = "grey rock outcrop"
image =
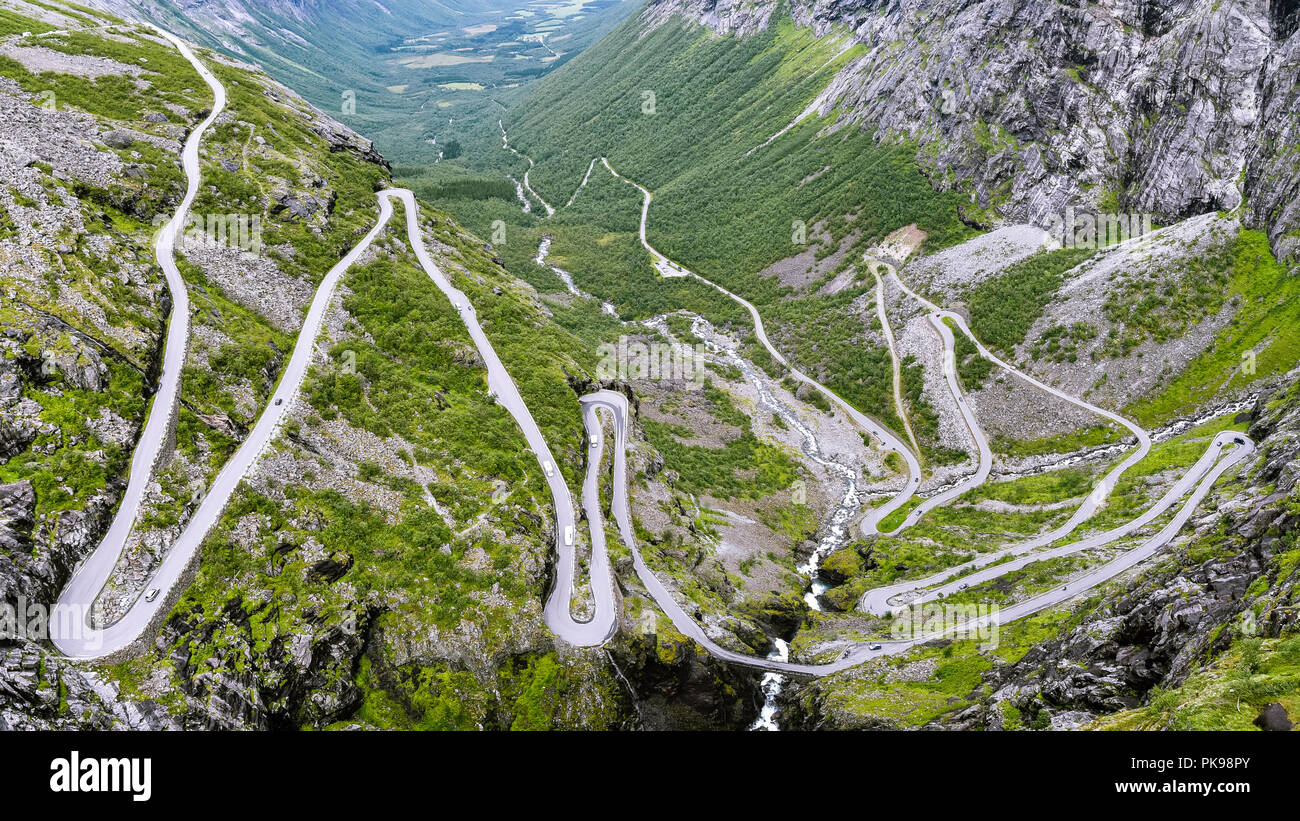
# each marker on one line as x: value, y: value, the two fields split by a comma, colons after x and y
x: 119, y: 139
x: 43, y: 692
x: 17, y: 516
x: 1175, y: 108
x: 342, y: 138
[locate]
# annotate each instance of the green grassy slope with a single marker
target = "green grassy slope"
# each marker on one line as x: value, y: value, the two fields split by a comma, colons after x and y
x: 715, y: 99
x: 720, y: 209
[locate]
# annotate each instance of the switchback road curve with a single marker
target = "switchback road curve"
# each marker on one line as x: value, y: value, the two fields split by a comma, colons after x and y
x: 67, y: 623
x: 1198, y: 480
x: 70, y: 630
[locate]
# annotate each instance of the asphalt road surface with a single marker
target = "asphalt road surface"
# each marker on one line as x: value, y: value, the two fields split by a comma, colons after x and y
x: 68, y: 626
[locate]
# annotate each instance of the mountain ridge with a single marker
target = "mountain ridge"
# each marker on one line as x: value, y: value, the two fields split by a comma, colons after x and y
x: 1174, y: 109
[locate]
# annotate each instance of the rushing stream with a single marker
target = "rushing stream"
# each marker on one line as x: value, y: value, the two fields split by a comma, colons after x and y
x: 544, y: 251
x: 1163, y: 434
x: 836, y: 531
x: 772, y: 683
x: 848, y: 506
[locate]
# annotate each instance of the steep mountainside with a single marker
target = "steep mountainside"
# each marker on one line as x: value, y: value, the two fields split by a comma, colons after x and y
x: 1174, y: 108
x: 1201, y: 638
x: 870, y: 178
x: 772, y: 180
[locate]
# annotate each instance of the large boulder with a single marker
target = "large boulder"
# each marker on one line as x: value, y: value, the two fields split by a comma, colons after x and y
x: 1274, y: 718
x: 119, y: 139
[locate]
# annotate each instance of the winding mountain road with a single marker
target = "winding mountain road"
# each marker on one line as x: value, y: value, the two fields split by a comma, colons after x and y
x: 878, y: 601
x: 74, y: 637
x: 1200, y: 479
x: 558, y: 616
x: 68, y: 622
x: 80, y: 641
x: 71, y: 632
x: 875, y: 600
x: 616, y: 405
x: 984, y: 465
x: 1197, y: 480
x: 883, y: 316
x: 891, y: 441
x: 582, y: 184
x: 505, y: 143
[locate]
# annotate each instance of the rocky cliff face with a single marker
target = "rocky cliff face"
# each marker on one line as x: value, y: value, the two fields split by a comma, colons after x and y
x: 1174, y: 108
